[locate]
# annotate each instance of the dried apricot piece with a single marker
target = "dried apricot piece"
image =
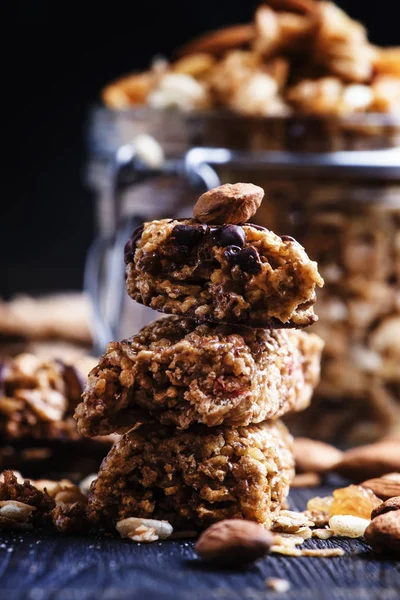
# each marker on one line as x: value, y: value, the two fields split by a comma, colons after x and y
x: 319, y: 503
x: 354, y: 500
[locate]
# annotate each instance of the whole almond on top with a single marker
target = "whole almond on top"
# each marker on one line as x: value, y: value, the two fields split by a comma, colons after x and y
x: 383, y: 488
x: 314, y: 456
x: 389, y: 505
x: 373, y: 460
x: 383, y: 533
x: 229, y: 203
x: 234, y: 542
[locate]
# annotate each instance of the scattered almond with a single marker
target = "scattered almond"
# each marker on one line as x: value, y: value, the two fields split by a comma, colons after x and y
x: 15, y: 515
x: 306, y: 480
x: 314, y: 456
x: 234, y: 542
x: 382, y: 487
x: 228, y: 203
x: 383, y: 533
x: 373, y: 460
x: 389, y: 505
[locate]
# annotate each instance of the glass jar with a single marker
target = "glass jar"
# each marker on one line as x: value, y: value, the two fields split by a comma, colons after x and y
x: 333, y: 184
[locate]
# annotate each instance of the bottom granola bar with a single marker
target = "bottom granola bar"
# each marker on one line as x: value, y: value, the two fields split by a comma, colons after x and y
x: 195, y: 477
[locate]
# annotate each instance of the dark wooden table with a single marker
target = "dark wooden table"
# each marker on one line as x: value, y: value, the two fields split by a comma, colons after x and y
x: 39, y: 567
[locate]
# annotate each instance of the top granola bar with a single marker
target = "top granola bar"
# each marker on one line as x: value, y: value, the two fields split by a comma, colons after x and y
x: 226, y: 273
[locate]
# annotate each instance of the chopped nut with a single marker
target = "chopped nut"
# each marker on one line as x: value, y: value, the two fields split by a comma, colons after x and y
x: 323, y: 534
x: 144, y: 530
x: 286, y: 550
x: 70, y: 495
x: 288, y: 539
x: 234, y: 542
x: 179, y: 91
x: 229, y: 203
x: 196, y: 65
x: 319, y: 517
x: 289, y: 521
x: 317, y: 552
x: 348, y: 525
x: 52, y: 487
x: 85, y: 484
x: 323, y: 552
x: 216, y: 42
x: 277, y: 584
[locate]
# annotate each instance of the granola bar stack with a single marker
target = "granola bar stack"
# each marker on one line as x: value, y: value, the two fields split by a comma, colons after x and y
x: 198, y: 394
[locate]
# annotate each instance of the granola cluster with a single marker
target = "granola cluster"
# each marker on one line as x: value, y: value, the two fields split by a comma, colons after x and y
x: 57, y: 506
x: 298, y: 56
x: 38, y: 398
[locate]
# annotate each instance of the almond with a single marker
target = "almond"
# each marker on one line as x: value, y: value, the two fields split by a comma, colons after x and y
x: 383, y: 488
x: 312, y: 456
x: 302, y: 480
x: 228, y: 203
x: 234, y: 542
x: 220, y: 40
x: 391, y: 504
x: 373, y: 460
x: 383, y: 533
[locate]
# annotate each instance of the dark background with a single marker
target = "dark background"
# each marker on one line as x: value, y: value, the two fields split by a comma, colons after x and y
x: 57, y: 57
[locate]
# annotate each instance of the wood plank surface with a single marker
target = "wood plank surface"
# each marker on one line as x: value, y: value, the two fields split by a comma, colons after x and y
x: 42, y: 567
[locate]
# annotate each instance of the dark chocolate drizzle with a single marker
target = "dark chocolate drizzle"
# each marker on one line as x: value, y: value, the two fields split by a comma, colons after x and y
x: 136, y: 234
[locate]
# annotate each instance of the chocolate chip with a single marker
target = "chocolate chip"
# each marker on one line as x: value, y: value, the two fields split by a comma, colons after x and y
x: 230, y: 235
x: 129, y: 251
x: 137, y: 233
x: 247, y: 259
x: 150, y: 263
x: 287, y: 238
x: 188, y: 235
x: 230, y: 254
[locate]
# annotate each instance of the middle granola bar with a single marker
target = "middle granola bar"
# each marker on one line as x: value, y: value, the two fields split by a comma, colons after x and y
x: 182, y: 373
